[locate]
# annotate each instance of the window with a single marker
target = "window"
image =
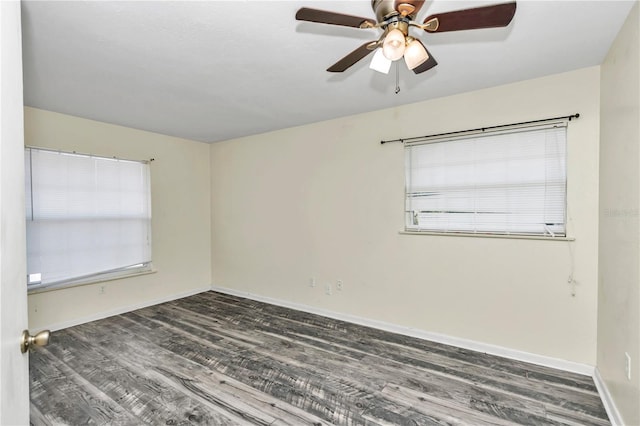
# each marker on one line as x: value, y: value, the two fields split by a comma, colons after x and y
x: 87, y: 217
x: 504, y: 182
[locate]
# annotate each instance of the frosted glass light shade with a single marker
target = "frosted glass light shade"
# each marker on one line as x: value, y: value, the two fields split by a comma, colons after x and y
x: 380, y: 63
x: 415, y: 54
x: 394, y: 45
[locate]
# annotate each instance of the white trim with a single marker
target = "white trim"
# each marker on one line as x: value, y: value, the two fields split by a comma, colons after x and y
x: 486, y: 235
x: 514, y: 354
x: 94, y: 279
x: 124, y: 309
x: 607, y: 400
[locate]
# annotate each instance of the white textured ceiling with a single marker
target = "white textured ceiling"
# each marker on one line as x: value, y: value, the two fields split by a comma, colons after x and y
x: 217, y: 70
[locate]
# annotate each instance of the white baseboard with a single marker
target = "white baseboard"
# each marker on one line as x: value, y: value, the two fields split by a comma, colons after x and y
x: 124, y: 309
x: 607, y: 400
x: 514, y: 354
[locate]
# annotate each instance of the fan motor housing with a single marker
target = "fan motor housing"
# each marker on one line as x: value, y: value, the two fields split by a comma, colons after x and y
x: 383, y: 9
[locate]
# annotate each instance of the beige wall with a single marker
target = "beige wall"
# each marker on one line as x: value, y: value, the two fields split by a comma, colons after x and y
x: 619, y: 281
x: 326, y: 201
x: 181, y: 226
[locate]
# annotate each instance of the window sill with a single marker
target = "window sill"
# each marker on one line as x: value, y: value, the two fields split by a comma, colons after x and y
x: 92, y: 280
x: 478, y: 235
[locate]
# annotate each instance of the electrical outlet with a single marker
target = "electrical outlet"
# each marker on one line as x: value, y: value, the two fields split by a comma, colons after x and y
x: 101, y: 291
x: 327, y: 289
x: 627, y: 365
x: 312, y: 282
x: 339, y: 285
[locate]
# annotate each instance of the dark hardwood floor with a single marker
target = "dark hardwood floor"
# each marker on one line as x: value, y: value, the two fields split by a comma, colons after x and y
x: 215, y: 359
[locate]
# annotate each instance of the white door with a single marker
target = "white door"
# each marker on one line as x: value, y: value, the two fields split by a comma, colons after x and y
x: 14, y: 366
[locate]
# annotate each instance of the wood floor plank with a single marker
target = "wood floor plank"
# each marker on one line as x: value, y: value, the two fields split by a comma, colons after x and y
x: 56, y: 390
x: 528, y: 371
x: 569, y: 417
x: 373, y: 376
x: 550, y: 391
x: 278, y: 373
x: 537, y: 389
x: 133, y: 389
x: 265, y: 375
x: 205, y: 384
x: 441, y: 407
x: 219, y: 359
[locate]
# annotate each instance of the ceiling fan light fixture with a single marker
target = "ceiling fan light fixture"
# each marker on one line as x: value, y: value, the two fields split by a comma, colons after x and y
x: 415, y: 54
x: 394, y: 45
x: 380, y: 63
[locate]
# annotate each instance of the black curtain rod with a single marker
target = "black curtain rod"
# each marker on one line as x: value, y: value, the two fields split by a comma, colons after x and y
x: 85, y: 154
x: 569, y: 117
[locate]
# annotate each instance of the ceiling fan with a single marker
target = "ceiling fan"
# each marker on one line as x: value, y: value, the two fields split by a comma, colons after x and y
x: 395, y: 17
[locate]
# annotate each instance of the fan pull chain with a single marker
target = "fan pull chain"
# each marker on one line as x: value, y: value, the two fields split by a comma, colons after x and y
x: 397, y: 77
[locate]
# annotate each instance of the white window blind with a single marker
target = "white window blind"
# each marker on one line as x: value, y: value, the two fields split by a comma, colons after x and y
x: 507, y: 182
x: 86, y: 216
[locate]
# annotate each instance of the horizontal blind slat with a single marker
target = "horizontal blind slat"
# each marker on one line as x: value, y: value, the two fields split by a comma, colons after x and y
x: 500, y: 183
x: 85, y: 215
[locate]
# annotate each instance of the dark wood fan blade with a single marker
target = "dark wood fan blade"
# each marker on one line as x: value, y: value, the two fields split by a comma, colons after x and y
x: 426, y: 65
x: 417, y: 5
x: 333, y: 18
x: 351, y: 58
x: 499, y: 15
